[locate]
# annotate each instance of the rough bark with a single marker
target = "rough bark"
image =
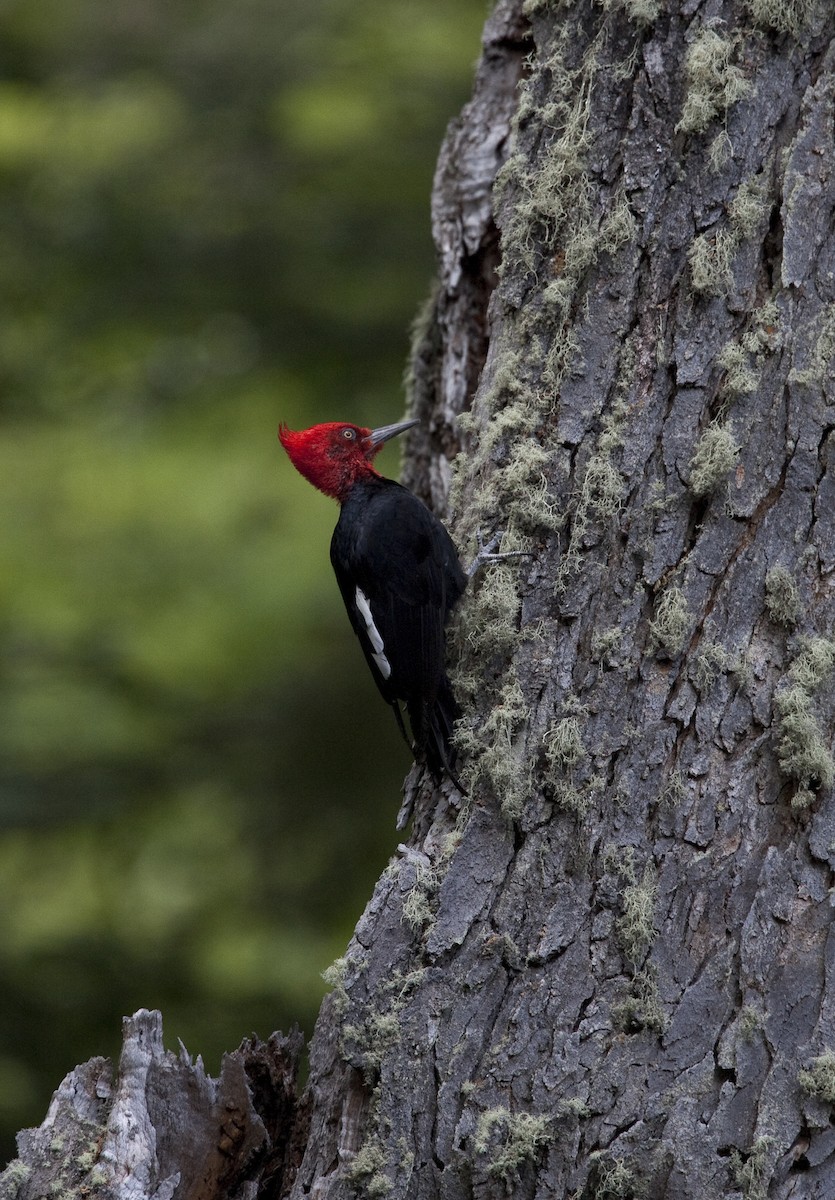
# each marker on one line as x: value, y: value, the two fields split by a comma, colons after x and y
x: 610, y: 971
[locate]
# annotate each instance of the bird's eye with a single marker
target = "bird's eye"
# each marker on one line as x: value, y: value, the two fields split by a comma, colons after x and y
x: 349, y: 434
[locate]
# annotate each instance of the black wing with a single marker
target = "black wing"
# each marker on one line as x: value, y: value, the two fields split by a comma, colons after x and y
x: 400, y: 577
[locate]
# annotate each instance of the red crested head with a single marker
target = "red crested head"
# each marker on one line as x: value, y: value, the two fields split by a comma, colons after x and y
x: 334, y: 456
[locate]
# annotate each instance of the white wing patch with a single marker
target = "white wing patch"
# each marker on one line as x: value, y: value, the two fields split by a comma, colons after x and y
x: 377, y: 650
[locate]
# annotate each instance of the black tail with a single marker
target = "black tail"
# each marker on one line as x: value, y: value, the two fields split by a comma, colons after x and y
x: 432, y: 730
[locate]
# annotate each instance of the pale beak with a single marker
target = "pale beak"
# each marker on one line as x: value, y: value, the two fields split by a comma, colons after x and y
x: 377, y: 437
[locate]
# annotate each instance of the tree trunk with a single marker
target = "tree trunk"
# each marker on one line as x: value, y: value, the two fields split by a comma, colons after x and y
x: 609, y: 971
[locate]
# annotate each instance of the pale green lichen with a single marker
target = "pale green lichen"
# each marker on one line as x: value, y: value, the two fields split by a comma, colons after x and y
x: 713, y: 82
x: 385, y: 1031
x: 765, y: 330
x: 550, y: 198
x: 504, y: 418
x: 814, y: 663
x: 605, y: 644
x: 518, y: 494
x: 673, y: 791
x: 556, y: 219
x: 716, y: 454
x: 642, y: 12
x: 602, y: 491
x: 421, y: 901
x: 524, y: 492
x: 367, y: 1169
x: 492, y: 618
x: 750, y: 1170
x: 711, y: 258
x: 740, y: 378
x: 710, y: 662
x: 614, y: 419
x: 564, y: 744
x: 506, y: 400
x: 372, y: 1041
x: 786, y: 16
x: 485, y: 634
x: 551, y: 227
x: 573, y: 1107
x: 577, y: 798
x: 672, y: 622
x: 720, y: 151
x: 599, y: 498
x: 497, y: 755
x: 509, y: 1140
x: 334, y: 977
x: 619, y: 860
x: 803, y: 752
x: 87, y: 1158
x: 635, y: 927
x: 823, y: 354
x: 742, y: 668
x: 564, y: 749
x: 422, y: 349
x: 14, y: 1177
x: 751, y: 1022
x: 711, y: 254
x: 74, y: 1171
x: 400, y: 986
x: 642, y: 1008
x: 618, y: 228
x: 782, y: 598
x: 613, y: 1177
x: 749, y: 206
x: 818, y: 1079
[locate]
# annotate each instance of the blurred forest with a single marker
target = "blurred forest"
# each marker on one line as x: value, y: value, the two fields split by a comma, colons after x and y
x: 215, y: 216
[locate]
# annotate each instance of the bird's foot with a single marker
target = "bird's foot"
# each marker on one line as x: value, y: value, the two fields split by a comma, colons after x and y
x: 487, y: 553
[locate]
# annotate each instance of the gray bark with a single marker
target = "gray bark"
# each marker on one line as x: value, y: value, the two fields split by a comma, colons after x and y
x: 157, y: 1126
x: 609, y: 971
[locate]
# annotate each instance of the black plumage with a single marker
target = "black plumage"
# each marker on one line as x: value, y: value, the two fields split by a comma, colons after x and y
x: 399, y: 575
x: 398, y: 572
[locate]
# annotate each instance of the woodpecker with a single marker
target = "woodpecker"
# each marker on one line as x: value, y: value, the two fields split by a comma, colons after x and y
x: 399, y: 575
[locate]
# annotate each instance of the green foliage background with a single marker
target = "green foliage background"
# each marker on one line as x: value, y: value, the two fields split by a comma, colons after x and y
x: 213, y: 216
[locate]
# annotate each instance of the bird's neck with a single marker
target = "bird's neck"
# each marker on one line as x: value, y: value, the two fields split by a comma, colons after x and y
x: 360, y: 482
x: 336, y: 479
